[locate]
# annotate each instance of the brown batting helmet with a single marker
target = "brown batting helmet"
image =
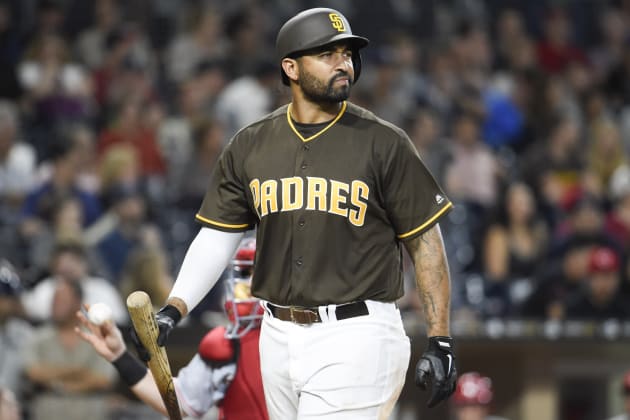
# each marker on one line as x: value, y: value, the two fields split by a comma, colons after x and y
x: 315, y: 28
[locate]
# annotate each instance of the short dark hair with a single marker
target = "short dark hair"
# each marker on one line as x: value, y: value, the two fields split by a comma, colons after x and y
x: 73, y: 247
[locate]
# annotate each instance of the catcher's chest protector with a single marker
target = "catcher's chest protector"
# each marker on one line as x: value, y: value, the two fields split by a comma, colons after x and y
x: 245, y: 399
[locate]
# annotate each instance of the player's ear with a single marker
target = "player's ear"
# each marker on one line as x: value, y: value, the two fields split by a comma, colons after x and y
x: 290, y: 68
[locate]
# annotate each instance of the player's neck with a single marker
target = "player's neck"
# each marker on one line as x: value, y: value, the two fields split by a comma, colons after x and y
x: 307, y: 112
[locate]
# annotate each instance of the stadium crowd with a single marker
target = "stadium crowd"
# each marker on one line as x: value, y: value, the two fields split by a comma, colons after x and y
x: 112, y: 115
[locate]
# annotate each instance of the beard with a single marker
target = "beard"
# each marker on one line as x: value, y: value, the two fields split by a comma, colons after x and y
x: 318, y: 91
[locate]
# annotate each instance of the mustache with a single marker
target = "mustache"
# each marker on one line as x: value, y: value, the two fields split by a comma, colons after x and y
x: 341, y: 75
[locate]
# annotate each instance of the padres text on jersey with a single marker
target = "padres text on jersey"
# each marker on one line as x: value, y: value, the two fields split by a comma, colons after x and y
x: 343, y: 199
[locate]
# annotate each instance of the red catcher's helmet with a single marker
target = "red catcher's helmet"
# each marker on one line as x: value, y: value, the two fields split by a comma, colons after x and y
x: 243, y: 310
x: 626, y: 383
x: 473, y: 389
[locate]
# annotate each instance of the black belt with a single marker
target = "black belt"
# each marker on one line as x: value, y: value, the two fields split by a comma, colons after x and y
x: 302, y: 315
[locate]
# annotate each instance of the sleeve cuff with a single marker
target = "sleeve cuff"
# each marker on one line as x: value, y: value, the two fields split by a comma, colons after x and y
x: 225, y: 227
x: 426, y: 225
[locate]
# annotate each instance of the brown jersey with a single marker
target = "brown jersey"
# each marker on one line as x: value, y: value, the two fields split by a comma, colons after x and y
x: 330, y: 210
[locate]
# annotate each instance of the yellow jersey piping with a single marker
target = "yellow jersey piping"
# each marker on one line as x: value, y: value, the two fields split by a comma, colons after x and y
x: 427, y: 223
x: 341, y: 112
x: 224, y: 225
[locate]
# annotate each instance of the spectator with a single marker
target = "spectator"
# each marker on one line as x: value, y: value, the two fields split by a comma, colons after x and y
x: 515, y: 241
x: 610, y: 52
x: 189, y: 181
x: 600, y: 300
x: 515, y: 244
x: 84, y: 139
x: 147, y: 269
x: 129, y: 128
x: 48, y: 19
x: 56, y: 88
x: 71, y: 379
x: 66, y: 225
x: 17, y: 163
x: 123, y: 229
x: 556, y: 50
x: 256, y: 86
x: 473, y: 174
x: 606, y: 152
x: 563, y: 276
x: 68, y: 263
x: 196, y: 101
x: 245, y: 32
x: 625, y: 392
x: 395, y: 82
x: 38, y: 207
x: 91, y: 43
x: 597, y: 113
x: 204, y: 41
x: 118, y: 166
x: 473, y: 398
x: 9, y: 405
x: 553, y: 165
x: 439, y: 84
x: 11, y: 46
x: 426, y: 134
x: 584, y: 218
x: 617, y: 223
x: 511, y: 36
x: 128, y: 69
x: 15, y: 332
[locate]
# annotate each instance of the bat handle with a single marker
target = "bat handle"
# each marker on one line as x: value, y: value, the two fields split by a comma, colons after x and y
x: 143, y: 320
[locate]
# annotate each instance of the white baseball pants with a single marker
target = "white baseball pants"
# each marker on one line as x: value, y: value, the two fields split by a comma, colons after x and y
x: 353, y: 369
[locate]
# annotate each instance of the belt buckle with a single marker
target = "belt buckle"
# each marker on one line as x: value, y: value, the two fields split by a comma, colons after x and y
x: 302, y: 316
x: 292, y: 314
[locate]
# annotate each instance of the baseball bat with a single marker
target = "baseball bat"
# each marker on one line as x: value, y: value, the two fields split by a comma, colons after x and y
x: 141, y: 312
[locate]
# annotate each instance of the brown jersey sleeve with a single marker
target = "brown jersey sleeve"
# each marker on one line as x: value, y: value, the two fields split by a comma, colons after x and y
x: 226, y: 204
x: 413, y: 199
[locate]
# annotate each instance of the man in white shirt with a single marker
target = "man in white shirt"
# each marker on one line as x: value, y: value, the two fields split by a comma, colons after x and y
x: 68, y: 261
x: 17, y: 159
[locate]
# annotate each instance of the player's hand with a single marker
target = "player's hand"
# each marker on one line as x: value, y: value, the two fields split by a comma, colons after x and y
x: 166, y: 319
x: 106, y: 338
x: 141, y: 351
x: 437, y: 368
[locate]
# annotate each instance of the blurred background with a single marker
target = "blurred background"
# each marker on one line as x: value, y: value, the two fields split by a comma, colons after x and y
x: 113, y: 113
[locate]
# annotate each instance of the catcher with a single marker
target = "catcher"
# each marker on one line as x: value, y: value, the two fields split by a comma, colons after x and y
x: 225, y: 372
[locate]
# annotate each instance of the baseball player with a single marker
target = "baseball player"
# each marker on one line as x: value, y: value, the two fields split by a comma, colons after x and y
x: 225, y: 372
x: 335, y: 194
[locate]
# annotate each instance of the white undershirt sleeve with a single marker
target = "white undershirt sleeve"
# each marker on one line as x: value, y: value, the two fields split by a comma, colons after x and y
x: 205, y: 260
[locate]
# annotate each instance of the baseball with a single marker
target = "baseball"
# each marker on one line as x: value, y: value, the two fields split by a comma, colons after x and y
x: 99, y: 313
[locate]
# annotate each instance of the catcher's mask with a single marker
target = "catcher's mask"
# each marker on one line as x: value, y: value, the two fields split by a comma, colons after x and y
x: 243, y: 310
x: 315, y: 28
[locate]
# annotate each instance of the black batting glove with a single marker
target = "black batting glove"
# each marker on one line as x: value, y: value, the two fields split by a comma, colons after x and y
x: 437, y: 367
x: 142, y: 351
x: 166, y: 319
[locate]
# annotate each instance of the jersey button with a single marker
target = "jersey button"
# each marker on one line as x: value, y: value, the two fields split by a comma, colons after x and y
x: 299, y: 262
x: 301, y: 222
x: 307, y: 147
x: 304, y: 165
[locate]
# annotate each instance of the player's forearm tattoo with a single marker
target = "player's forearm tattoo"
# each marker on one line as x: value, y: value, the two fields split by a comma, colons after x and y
x: 432, y: 279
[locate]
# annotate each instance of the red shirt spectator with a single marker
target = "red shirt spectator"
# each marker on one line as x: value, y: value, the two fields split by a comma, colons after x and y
x: 130, y: 129
x: 555, y: 52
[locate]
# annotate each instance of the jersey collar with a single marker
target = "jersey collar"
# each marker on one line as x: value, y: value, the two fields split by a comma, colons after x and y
x: 297, y: 133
